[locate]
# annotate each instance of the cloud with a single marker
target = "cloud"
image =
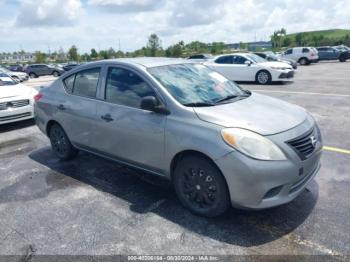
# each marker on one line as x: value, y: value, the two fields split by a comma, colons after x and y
x: 196, y: 12
x: 129, y: 6
x: 44, y: 13
x: 102, y: 23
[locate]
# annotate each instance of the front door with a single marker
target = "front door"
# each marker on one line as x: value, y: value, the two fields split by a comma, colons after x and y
x: 125, y: 131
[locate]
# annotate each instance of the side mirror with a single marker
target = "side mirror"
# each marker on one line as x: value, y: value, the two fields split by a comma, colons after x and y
x: 150, y: 103
x: 248, y: 63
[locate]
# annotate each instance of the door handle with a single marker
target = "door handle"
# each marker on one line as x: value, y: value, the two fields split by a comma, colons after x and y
x: 61, y: 107
x: 107, y: 118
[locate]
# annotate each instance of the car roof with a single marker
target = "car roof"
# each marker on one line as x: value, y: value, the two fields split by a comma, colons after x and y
x: 146, y: 62
x: 241, y: 54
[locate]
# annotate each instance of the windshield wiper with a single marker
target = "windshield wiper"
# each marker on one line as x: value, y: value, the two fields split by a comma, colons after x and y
x: 226, y: 98
x: 198, y: 104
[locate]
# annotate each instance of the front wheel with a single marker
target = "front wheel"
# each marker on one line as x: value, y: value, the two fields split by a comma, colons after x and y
x: 60, y: 143
x: 263, y: 77
x: 56, y: 74
x: 342, y: 59
x: 201, y: 187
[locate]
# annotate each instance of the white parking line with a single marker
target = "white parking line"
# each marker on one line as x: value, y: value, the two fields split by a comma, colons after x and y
x: 301, y: 93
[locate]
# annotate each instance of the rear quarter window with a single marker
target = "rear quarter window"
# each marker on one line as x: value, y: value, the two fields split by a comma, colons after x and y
x: 68, y: 83
x: 306, y: 50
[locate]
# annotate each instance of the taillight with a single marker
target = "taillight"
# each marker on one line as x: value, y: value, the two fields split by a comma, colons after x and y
x: 37, y: 97
x: 312, y: 54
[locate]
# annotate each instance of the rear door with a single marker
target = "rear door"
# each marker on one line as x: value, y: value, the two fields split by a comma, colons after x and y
x: 125, y: 131
x: 77, y: 108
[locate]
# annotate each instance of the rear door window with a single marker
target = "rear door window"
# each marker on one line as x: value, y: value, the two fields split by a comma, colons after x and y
x: 224, y: 60
x: 83, y: 83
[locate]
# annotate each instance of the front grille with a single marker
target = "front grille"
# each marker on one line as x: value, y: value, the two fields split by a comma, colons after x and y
x: 14, y: 104
x: 304, y: 145
x: 12, y: 117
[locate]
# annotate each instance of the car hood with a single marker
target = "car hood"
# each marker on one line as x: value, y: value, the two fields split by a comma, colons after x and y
x: 275, y: 64
x: 259, y: 113
x: 16, y: 90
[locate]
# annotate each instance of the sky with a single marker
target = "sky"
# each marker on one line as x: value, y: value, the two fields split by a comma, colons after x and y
x: 50, y: 24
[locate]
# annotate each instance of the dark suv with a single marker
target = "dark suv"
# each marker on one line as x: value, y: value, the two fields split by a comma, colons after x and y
x: 37, y: 70
x: 331, y: 53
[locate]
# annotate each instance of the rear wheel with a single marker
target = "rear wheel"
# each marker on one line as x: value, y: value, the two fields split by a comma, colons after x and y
x: 32, y: 75
x: 60, y: 143
x: 263, y: 77
x: 304, y: 61
x: 200, y: 186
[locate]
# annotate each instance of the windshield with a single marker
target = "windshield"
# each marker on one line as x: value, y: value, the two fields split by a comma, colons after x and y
x: 6, y: 80
x: 192, y: 84
x: 255, y: 58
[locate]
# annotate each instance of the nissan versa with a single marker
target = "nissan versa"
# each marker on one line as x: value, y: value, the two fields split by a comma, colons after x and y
x: 218, y: 143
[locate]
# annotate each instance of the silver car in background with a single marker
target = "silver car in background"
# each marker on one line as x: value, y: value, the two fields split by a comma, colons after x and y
x: 217, y: 143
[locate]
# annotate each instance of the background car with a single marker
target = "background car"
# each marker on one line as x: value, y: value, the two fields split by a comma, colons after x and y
x: 271, y: 56
x: 17, y: 76
x: 250, y: 67
x: 36, y: 70
x: 331, y: 53
x: 16, y: 68
x: 303, y: 55
x: 16, y: 100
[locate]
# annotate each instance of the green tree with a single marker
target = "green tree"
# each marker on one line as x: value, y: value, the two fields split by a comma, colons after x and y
x: 40, y: 57
x: 217, y: 47
x: 103, y: 54
x: 73, y: 53
x: 93, y: 53
x: 154, y: 44
x: 299, y: 39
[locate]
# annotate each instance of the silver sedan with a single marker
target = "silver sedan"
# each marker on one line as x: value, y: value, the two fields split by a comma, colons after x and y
x: 219, y: 144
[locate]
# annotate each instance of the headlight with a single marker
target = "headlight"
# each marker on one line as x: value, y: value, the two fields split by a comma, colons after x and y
x: 252, y: 144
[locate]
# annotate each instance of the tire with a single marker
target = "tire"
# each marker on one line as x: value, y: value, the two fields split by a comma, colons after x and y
x: 304, y: 61
x: 263, y: 77
x: 342, y: 59
x: 60, y: 143
x: 56, y: 74
x: 200, y: 186
x: 32, y: 75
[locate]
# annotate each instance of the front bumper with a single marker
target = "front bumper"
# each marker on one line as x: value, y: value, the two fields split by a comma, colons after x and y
x: 256, y: 184
x: 11, y: 115
x: 282, y: 75
x: 286, y: 75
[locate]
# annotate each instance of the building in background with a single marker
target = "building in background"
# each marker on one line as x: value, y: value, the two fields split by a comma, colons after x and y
x: 17, y: 58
